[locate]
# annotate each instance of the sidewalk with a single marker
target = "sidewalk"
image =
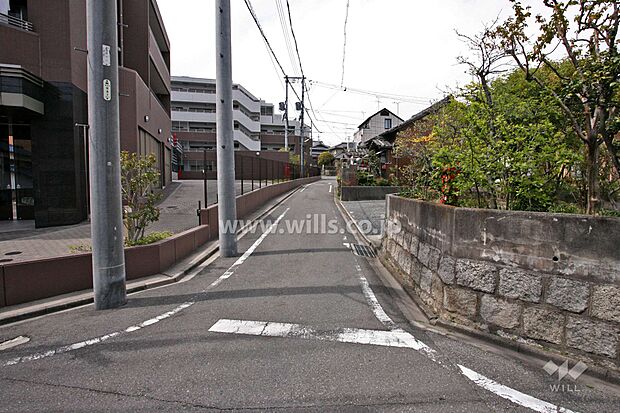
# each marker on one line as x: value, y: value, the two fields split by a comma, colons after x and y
x: 20, y: 241
x: 369, y: 216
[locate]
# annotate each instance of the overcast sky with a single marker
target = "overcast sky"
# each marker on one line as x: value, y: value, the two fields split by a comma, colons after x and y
x: 403, y: 47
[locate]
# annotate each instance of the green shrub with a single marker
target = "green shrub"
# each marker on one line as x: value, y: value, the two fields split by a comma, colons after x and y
x: 565, y: 208
x: 610, y: 213
x: 149, y: 239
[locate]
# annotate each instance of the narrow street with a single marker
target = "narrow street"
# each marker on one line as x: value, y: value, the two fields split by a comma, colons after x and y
x: 296, y: 322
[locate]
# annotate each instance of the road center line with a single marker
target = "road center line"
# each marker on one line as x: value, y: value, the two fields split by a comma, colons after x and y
x: 149, y: 322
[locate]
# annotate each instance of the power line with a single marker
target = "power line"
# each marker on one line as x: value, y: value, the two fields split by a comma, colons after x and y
x: 290, y: 20
x: 287, y: 37
x: 251, y: 10
x: 275, y: 57
x: 344, y: 47
x: 394, y: 96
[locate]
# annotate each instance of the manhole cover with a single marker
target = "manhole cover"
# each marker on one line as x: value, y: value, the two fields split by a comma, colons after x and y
x: 363, y: 250
x: 13, y: 253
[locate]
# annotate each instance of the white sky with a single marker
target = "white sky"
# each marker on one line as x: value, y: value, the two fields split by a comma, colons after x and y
x: 404, y: 47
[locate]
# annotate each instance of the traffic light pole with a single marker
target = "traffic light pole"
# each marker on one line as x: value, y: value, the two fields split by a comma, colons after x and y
x: 227, y: 209
x: 105, y: 169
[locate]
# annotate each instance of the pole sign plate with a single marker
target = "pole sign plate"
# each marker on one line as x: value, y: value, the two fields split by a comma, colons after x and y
x: 106, y: 57
x: 107, y: 90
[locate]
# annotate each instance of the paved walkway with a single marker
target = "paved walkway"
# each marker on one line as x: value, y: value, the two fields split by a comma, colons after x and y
x: 370, y: 217
x: 297, y: 322
x: 20, y: 241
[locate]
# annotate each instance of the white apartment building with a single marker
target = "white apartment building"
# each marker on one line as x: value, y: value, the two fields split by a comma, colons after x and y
x: 256, y: 125
x: 375, y: 125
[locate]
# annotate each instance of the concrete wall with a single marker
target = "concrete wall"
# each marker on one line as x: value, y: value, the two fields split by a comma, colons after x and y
x: 34, y: 280
x: 550, y: 279
x: 366, y: 193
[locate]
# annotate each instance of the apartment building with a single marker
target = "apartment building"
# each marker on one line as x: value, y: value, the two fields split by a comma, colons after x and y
x: 258, y: 129
x: 43, y: 103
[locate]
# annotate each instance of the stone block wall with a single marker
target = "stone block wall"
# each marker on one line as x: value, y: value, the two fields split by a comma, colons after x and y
x: 551, y: 280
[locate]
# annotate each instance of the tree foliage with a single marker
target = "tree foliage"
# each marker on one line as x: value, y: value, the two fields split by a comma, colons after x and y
x: 587, y: 82
x: 138, y: 177
x: 326, y: 159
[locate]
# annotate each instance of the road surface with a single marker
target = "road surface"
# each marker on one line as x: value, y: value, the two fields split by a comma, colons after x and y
x: 297, y: 323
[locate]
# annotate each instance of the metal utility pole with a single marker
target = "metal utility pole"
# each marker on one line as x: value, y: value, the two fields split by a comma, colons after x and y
x: 286, y: 115
x: 227, y: 208
x: 301, y: 120
x: 105, y: 169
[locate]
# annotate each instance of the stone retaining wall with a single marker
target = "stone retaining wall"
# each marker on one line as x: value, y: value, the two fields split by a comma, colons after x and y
x: 552, y: 280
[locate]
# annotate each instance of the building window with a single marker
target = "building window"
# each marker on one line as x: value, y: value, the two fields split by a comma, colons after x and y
x: 266, y: 110
x: 387, y: 123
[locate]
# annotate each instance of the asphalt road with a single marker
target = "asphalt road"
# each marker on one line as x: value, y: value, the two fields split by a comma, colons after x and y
x: 297, y: 323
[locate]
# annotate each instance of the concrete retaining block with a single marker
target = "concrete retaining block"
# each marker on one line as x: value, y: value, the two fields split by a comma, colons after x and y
x: 548, y: 278
x: 366, y: 193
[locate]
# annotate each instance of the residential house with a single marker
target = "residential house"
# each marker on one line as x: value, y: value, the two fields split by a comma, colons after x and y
x: 376, y: 124
x: 420, y: 124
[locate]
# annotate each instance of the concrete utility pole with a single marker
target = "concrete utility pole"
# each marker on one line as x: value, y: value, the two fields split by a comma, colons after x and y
x: 105, y: 167
x: 301, y: 120
x: 227, y: 208
x: 286, y: 115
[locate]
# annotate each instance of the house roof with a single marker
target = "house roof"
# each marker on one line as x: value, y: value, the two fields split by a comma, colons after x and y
x: 339, y: 146
x: 420, y: 115
x: 376, y: 113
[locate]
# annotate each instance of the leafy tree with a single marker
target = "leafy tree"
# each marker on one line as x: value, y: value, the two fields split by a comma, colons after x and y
x: 512, y: 155
x: 587, y: 86
x: 326, y: 159
x: 138, y: 177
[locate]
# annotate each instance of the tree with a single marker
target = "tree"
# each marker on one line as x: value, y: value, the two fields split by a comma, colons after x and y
x: 138, y: 177
x: 523, y: 165
x: 587, y: 85
x: 326, y: 159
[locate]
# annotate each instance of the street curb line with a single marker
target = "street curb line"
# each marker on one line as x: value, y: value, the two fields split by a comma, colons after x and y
x: 196, y: 259
x: 524, y: 351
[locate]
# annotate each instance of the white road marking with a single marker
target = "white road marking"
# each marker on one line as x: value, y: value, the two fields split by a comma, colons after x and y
x: 96, y: 340
x: 303, y: 189
x: 513, y: 395
x: 14, y: 342
x: 150, y: 322
x: 330, y: 188
x: 344, y: 335
x: 249, y: 252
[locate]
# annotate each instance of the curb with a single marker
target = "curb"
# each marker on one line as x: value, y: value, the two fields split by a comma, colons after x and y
x: 178, y: 273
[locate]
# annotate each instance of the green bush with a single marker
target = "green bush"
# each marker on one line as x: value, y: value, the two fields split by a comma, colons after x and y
x: 610, y: 213
x: 565, y: 208
x: 149, y: 239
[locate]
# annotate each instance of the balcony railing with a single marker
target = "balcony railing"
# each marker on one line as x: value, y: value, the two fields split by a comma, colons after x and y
x: 16, y: 22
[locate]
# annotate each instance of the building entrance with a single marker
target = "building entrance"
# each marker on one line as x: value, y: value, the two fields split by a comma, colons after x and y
x: 16, y: 178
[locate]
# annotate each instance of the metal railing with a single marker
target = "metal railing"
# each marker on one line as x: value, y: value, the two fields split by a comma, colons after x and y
x: 16, y: 22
